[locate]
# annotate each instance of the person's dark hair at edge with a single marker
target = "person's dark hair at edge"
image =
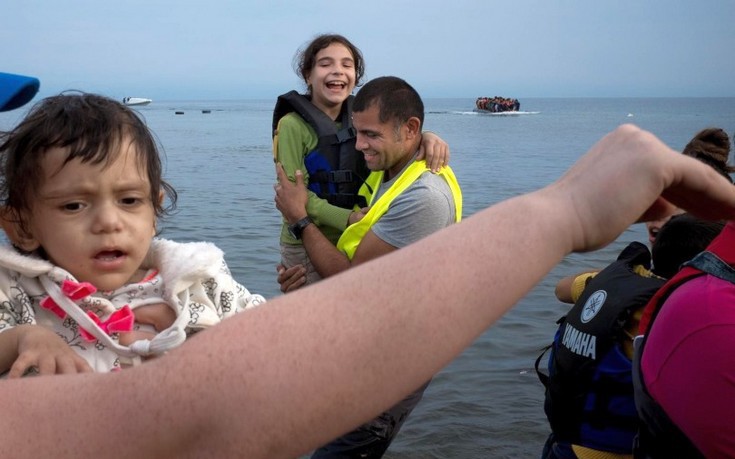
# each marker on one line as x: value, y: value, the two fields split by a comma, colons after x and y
x: 91, y: 127
x: 396, y: 100
x: 712, y: 147
x: 305, y: 59
x: 680, y: 240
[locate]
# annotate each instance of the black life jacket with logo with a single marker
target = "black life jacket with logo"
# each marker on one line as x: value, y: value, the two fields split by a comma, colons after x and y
x: 589, y: 388
x: 336, y: 169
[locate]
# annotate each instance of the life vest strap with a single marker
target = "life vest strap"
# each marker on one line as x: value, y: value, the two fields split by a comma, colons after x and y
x: 324, y: 176
x: 346, y: 200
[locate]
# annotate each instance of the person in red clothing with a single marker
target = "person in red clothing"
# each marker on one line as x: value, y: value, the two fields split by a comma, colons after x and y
x: 686, y: 393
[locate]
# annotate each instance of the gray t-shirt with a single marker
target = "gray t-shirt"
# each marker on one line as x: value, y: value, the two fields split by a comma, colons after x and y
x: 425, y: 207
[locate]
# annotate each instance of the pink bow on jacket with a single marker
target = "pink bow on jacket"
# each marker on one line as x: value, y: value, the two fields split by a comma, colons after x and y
x: 119, y: 321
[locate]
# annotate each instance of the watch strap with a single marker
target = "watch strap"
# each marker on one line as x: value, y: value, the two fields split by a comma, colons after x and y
x: 297, y: 229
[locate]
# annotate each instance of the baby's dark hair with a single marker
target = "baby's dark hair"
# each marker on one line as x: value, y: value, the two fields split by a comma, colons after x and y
x: 712, y: 147
x: 305, y: 59
x: 679, y: 240
x: 91, y: 127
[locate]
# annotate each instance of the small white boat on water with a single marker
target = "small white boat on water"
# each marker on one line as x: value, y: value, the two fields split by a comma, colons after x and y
x: 136, y: 101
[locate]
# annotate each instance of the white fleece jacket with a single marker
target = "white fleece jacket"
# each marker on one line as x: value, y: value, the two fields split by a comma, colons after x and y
x: 193, y: 279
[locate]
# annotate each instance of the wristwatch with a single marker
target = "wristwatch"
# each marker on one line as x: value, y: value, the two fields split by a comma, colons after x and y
x: 297, y: 228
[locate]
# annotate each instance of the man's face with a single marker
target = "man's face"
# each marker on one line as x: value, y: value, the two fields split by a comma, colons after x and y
x: 386, y: 147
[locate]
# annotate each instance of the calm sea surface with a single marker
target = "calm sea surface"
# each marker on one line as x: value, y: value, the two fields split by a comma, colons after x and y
x: 488, y: 402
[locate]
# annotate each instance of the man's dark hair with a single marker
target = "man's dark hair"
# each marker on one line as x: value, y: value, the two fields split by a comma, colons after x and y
x: 396, y: 100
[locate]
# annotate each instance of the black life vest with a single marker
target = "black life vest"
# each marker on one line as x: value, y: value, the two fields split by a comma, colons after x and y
x: 589, y: 388
x: 336, y: 169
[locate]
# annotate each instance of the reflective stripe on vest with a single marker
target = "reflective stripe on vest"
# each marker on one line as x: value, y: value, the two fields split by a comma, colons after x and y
x: 353, y: 235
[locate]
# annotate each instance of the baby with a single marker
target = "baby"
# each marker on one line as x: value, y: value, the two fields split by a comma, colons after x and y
x: 86, y: 282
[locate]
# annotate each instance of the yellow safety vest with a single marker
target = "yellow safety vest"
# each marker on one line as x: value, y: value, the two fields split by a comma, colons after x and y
x: 352, y: 236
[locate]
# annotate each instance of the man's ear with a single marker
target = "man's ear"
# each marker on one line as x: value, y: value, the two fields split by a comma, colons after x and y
x: 413, y: 126
x: 19, y: 237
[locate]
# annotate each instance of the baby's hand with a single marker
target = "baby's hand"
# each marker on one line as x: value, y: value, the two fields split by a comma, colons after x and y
x: 435, y: 150
x: 128, y: 338
x: 42, y: 349
x: 357, y: 215
x: 158, y: 316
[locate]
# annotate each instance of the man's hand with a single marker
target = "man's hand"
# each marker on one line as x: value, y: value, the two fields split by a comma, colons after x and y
x: 630, y: 175
x: 291, y: 198
x: 291, y: 278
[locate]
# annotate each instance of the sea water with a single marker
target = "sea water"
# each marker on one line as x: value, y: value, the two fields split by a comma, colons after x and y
x: 488, y: 403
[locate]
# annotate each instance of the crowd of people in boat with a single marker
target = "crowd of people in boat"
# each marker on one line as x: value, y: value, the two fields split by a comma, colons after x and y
x: 498, y: 104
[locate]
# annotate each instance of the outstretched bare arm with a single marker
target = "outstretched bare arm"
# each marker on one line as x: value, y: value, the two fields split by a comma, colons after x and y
x: 278, y: 380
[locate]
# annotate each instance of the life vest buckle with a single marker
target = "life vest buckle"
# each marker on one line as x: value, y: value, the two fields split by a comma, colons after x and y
x: 341, y: 176
x: 346, y: 134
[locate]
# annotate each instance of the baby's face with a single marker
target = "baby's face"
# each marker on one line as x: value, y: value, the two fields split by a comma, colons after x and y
x: 94, y: 220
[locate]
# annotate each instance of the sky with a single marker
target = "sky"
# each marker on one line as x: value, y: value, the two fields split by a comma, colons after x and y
x: 243, y: 49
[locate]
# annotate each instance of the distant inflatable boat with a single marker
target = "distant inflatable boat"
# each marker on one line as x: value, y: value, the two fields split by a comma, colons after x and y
x: 497, y: 104
x: 136, y: 101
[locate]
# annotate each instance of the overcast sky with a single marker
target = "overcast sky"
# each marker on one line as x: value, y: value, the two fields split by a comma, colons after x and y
x: 242, y: 49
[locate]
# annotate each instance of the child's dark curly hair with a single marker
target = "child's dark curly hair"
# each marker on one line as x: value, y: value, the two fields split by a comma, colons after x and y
x: 91, y: 127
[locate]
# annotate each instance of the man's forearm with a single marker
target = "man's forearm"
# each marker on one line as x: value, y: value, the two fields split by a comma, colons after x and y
x: 325, y: 257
